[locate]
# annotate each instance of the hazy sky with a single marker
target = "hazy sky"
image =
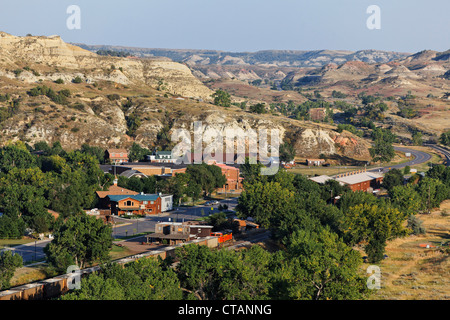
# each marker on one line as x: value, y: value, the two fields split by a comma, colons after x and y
x: 237, y: 25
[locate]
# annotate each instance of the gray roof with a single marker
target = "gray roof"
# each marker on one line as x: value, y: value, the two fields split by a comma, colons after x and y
x: 359, y: 177
x: 130, y: 173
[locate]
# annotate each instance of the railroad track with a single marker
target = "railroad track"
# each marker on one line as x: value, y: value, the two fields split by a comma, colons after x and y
x: 442, y: 150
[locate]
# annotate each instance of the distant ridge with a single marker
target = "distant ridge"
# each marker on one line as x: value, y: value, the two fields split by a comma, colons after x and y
x: 280, y: 58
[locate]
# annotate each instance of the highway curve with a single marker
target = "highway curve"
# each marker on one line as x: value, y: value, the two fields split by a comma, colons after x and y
x: 417, y: 157
x: 442, y: 150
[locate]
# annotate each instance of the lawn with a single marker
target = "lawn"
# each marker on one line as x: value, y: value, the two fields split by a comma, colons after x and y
x: 412, y: 272
x: 7, y: 243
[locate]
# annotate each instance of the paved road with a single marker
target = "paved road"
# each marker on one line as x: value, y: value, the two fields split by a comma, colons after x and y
x: 442, y: 150
x: 417, y: 157
x: 147, y: 224
x: 33, y: 251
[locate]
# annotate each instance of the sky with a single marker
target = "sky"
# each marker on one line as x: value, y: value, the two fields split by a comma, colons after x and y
x: 237, y: 25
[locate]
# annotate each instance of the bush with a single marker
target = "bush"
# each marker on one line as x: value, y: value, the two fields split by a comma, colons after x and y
x: 415, y: 224
x: 407, y: 170
x: 59, y: 81
x: 113, y: 97
x: 65, y: 92
x: 77, y: 79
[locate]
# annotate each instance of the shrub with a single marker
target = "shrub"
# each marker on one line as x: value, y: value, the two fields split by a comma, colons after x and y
x: 415, y: 224
x: 113, y: 97
x: 77, y: 79
x: 65, y: 92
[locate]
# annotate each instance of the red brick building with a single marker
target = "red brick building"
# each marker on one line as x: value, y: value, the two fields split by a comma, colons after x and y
x: 116, y: 156
x: 234, y: 181
x: 361, y: 180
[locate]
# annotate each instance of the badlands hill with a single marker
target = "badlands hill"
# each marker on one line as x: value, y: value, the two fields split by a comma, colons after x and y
x: 113, y: 102
x: 265, y: 64
x: 421, y: 72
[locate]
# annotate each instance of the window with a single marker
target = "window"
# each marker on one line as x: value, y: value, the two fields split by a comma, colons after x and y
x: 145, y: 202
x: 129, y: 203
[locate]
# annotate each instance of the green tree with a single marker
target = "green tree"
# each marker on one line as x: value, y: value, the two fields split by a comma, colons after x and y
x: 287, y: 152
x: 322, y: 267
x: 15, y: 156
x: 80, y: 240
x: 9, y: 262
x: 432, y: 192
x: 143, y: 279
x: 208, y: 177
x: 392, y: 178
x: 208, y: 274
x: 265, y: 202
x: 137, y: 153
x: 382, y: 149
x: 258, y: 108
x: 77, y: 79
x: 374, y: 224
x: 222, y: 98
x: 251, y: 172
x: 416, y: 225
x: 11, y: 226
x: 96, y: 287
x: 444, y: 138
x: 406, y: 199
x: 417, y: 138
x: 24, y: 196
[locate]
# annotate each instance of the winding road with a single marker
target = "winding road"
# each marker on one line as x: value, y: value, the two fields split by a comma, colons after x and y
x: 418, y: 157
x: 442, y: 150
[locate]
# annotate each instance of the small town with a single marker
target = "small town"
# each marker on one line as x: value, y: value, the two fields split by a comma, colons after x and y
x: 229, y: 159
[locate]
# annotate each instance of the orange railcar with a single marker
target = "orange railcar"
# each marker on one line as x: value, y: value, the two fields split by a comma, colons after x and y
x: 222, y: 237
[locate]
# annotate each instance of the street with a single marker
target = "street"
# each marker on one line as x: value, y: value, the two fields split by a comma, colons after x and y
x: 179, y: 214
x: 417, y: 158
x: 34, y: 251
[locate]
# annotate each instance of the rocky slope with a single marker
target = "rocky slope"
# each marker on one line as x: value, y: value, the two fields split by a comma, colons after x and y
x: 126, y: 100
x: 57, y: 59
x: 421, y: 73
x: 280, y: 58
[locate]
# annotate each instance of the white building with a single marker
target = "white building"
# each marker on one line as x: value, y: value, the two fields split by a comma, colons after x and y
x: 166, y: 202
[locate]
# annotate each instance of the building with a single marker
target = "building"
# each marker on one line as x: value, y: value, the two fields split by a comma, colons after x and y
x: 114, y: 190
x: 321, y: 179
x: 166, y: 202
x: 140, y: 204
x: 315, y: 162
x: 234, y: 181
x: 143, y: 169
x: 361, y: 180
x: 116, y: 156
x: 178, y: 232
x: 161, y: 157
x: 133, y: 173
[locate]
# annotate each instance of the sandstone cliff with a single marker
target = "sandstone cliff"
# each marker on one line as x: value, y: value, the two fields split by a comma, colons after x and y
x: 159, y: 95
